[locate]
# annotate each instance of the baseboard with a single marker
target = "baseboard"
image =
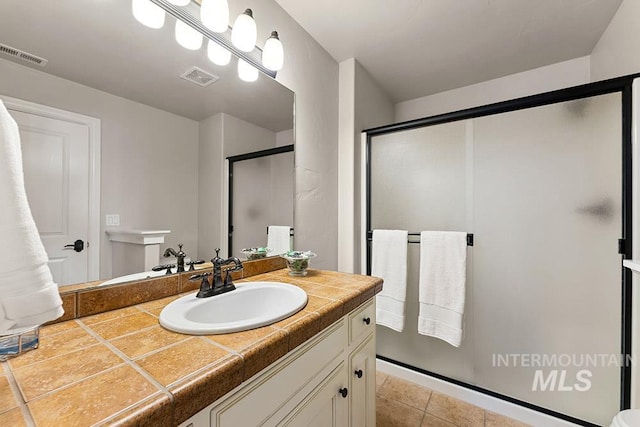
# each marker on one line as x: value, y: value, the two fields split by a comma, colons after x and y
x: 490, y: 403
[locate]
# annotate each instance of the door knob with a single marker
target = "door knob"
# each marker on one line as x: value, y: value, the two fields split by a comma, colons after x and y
x: 343, y: 392
x: 358, y: 373
x: 77, y: 246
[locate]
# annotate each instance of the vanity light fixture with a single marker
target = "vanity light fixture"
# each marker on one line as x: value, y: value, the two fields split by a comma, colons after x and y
x: 273, y: 53
x: 187, y: 37
x: 214, y: 15
x: 244, y: 33
x: 147, y: 13
x: 246, y: 71
x: 217, y: 54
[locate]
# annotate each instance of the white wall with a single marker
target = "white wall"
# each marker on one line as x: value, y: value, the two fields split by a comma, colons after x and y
x: 556, y: 76
x: 285, y: 137
x: 148, y: 155
x: 363, y: 105
x: 617, y: 52
x: 243, y: 137
x: 312, y: 74
x: 210, y: 185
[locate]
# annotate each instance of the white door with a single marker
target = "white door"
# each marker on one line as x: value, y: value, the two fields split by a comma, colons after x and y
x: 56, y: 160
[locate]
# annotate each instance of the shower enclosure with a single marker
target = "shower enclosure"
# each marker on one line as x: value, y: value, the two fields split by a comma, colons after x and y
x: 544, y: 185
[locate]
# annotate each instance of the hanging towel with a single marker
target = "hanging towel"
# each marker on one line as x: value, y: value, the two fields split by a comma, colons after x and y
x: 441, y: 290
x: 28, y: 295
x: 389, y: 261
x: 279, y: 239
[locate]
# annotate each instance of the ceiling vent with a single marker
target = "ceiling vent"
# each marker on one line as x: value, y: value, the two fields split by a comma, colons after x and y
x: 199, y: 76
x: 20, y: 54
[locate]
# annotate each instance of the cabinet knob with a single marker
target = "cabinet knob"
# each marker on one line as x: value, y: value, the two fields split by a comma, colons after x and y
x: 358, y: 373
x: 367, y: 320
x: 343, y: 392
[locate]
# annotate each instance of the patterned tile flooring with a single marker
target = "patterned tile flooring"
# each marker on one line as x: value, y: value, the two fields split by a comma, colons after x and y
x: 401, y: 403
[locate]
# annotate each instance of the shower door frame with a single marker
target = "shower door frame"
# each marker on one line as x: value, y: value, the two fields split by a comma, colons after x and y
x: 623, y: 85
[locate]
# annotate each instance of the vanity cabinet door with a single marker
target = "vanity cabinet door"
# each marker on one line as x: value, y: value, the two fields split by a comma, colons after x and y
x: 326, y: 406
x: 362, y: 384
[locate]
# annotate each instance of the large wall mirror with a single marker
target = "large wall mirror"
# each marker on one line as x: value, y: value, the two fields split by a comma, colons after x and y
x: 153, y: 144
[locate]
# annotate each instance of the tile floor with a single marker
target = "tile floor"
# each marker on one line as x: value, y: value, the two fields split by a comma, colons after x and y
x: 401, y: 403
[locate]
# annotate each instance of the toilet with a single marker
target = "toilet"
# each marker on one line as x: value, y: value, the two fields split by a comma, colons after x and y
x: 627, y: 418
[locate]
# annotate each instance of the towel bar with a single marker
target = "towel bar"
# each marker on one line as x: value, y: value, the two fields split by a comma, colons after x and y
x: 469, y: 238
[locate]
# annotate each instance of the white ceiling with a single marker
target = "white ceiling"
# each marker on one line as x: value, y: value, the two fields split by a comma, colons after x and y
x: 414, y: 48
x: 99, y: 44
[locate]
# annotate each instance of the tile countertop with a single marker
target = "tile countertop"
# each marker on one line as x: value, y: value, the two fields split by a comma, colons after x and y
x: 121, y: 367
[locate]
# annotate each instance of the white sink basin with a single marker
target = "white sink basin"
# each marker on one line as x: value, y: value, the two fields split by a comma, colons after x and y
x: 251, y: 305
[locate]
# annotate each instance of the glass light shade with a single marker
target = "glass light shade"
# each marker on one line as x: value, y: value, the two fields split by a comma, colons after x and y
x: 246, y: 71
x: 273, y: 53
x: 180, y: 2
x: 187, y: 37
x: 217, y: 54
x: 147, y: 13
x: 214, y: 14
x: 244, y: 33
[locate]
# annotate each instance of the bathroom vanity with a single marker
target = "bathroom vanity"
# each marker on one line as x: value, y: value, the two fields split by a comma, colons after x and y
x: 118, y: 366
x: 327, y: 381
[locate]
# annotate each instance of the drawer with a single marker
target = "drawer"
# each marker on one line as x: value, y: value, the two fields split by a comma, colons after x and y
x: 362, y: 321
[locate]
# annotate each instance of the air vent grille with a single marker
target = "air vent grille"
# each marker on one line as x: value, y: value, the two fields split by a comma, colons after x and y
x: 20, y: 54
x: 199, y: 76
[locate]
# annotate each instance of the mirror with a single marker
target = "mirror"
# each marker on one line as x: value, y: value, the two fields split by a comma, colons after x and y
x: 257, y: 207
x: 163, y: 138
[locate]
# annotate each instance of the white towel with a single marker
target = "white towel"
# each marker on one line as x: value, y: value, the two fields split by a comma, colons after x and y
x: 443, y: 260
x: 389, y: 261
x: 279, y: 239
x: 28, y: 295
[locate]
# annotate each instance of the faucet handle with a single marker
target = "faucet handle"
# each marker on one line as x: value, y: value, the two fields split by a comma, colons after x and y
x: 192, y: 263
x: 195, y: 277
x: 167, y: 267
x: 205, y: 287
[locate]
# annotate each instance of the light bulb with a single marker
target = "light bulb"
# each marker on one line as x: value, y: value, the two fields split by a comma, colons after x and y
x: 187, y: 37
x: 217, y: 54
x: 247, y: 72
x: 147, y: 13
x: 273, y: 53
x: 180, y: 2
x: 244, y: 32
x: 214, y: 14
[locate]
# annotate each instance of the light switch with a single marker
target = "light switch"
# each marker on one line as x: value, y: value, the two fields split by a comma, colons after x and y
x: 113, y: 219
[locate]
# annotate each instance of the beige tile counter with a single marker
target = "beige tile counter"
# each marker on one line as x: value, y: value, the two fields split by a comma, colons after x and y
x: 121, y: 367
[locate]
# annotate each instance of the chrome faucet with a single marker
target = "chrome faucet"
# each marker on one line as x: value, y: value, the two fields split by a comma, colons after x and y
x: 180, y: 255
x: 217, y: 285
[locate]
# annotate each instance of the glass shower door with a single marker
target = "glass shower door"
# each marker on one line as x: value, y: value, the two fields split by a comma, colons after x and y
x: 540, y: 188
x: 547, y: 216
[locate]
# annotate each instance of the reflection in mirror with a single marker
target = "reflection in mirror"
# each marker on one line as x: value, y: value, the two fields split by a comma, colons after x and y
x: 151, y: 145
x: 261, y: 197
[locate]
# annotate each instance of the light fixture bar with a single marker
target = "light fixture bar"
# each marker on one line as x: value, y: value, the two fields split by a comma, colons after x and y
x: 196, y: 24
